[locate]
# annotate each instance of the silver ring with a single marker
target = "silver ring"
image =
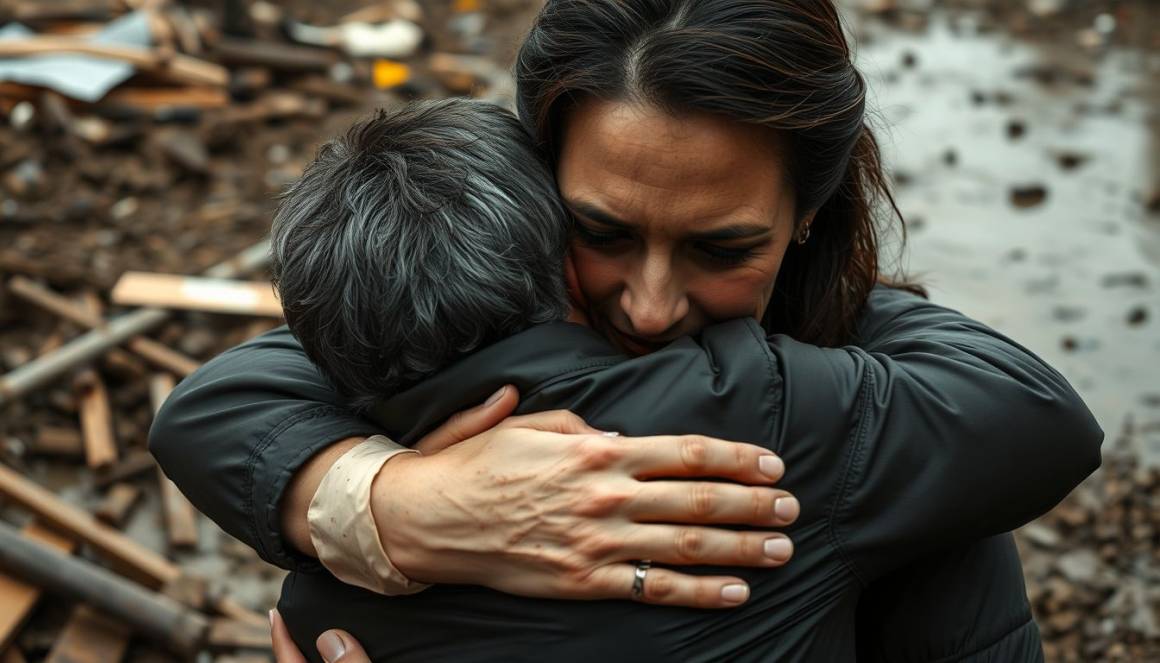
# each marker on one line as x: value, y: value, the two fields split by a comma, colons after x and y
x: 642, y: 568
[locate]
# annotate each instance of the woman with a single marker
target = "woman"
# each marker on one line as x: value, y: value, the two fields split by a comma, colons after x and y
x: 644, y: 107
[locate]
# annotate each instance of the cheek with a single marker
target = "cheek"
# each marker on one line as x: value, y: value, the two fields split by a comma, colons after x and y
x: 598, y: 275
x: 743, y: 293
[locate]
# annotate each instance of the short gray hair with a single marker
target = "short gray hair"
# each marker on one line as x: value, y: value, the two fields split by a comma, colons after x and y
x: 421, y: 235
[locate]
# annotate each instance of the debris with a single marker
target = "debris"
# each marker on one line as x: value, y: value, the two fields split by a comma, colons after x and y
x: 96, y: 420
x: 1016, y: 129
x: 180, y: 516
x: 387, y: 74
x: 90, y: 636
x: 118, y: 502
x: 392, y: 39
x: 1029, y: 195
x: 150, y: 614
x: 1137, y: 316
x: 197, y: 294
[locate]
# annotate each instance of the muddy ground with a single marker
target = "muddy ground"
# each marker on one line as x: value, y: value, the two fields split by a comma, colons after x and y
x: 1024, y: 141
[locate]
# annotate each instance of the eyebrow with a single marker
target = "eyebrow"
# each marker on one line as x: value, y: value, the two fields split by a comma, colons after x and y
x: 735, y: 231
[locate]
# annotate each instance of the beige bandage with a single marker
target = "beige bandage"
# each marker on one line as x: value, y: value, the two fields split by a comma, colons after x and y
x: 342, y: 527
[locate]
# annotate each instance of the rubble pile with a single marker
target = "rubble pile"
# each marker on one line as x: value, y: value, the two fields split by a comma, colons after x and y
x: 1093, y: 566
x: 142, y: 147
x: 155, y: 135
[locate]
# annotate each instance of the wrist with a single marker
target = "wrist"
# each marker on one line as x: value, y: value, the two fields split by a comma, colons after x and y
x: 393, y: 506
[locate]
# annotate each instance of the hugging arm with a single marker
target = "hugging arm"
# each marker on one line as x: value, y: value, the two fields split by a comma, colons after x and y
x: 234, y: 434
x: 951, y: 432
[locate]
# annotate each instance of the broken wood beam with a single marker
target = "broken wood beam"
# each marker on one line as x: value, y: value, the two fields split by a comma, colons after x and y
x: 135, y: 462
x: 43, y: 370
x: 96, y: 420
x: 119, y: 501
x: 18, y: 597
x: 180, y: 516
x: 56, y: 441
x: 156, y: 353
x: 143, y: 564
x: 90, y: 637
x: 275, y: 55
x: 193, y: 293
x: 175, y: 66
x: 153, y: 615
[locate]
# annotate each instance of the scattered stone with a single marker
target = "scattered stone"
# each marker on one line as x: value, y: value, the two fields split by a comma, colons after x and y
x: 950, y: 157
x: 1071, y: 160
x: 909, y: 60
x: 1016, y: 129
x: 1137, y: 316
x: 1042, y: 535
x: 1068, y: 313
x: 1125, y: 280
x: 1027, y: 196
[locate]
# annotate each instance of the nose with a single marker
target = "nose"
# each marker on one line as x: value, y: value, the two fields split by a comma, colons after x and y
x: 654, y: 299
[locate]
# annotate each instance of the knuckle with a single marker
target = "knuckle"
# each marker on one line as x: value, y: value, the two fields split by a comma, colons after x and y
x: 659, y: 587
x: 595, y: 547
x: 761, y: 506
x: 694, y: 453
x: 599, y: 502
x: 596, y: 453
x: 690, y: 543
x: 703, y: 500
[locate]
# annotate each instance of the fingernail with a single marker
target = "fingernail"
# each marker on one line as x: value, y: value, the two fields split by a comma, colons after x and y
x: 779, y: 549
x: 771, y: 466
x: 271, y: 616
x: 786, y: 508
x: 330, y: 646
x: 735, y: 593
x: 496, y: 396
x: 609, y: 433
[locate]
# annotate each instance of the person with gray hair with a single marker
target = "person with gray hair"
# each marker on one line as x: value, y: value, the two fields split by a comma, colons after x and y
x: 420, y: 235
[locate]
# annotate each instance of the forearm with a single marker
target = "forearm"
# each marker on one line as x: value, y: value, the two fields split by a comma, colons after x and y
x: 296, y: 500
x: 235, y: 433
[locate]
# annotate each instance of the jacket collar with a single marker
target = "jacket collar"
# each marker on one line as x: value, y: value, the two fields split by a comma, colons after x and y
x: 527, y: 360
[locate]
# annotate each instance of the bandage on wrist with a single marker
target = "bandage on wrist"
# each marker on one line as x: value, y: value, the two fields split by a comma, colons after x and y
x: 343, y: 528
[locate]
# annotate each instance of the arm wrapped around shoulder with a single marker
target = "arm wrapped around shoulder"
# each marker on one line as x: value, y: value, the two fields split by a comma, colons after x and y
x: 233, y: 434
x: 955, y: 431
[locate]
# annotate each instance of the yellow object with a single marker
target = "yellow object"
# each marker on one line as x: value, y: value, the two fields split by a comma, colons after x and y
x: 388, y: 74
x: 464, y: 6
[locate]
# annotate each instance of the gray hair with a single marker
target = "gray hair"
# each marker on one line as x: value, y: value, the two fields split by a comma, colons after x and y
x: 421, y: 235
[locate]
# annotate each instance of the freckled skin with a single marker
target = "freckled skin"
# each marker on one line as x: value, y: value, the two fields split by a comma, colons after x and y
x: 662, y: 179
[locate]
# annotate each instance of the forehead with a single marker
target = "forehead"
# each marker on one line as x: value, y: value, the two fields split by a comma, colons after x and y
x: 643, y: 165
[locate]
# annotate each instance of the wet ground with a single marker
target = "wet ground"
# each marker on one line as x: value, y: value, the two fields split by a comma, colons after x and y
x: 1025, y: 164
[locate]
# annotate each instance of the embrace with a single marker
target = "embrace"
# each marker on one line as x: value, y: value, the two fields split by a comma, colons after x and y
x: 715, y: 431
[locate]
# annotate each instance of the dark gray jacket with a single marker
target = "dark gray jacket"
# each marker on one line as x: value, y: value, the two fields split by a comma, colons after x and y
x: 906, y: 453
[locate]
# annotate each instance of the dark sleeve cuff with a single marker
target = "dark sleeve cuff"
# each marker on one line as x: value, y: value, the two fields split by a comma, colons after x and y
x: 269, y: 474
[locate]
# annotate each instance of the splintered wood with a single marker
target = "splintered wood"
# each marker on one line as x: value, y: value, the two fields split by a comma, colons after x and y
x: 89, y: 637
x: 18, y: 598
x: 180, y: 516
x: 96, y: 420
x: 197, y: 294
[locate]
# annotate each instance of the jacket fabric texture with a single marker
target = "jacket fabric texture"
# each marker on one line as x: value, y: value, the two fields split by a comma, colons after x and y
x: 912, y: 454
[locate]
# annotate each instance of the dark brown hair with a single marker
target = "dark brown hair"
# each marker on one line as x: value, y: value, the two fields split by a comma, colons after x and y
x: 783, y: 64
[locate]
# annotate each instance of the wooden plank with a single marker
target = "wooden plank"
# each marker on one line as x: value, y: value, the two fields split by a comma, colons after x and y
x: 136, y: 462
x: 17, y: 598
x: 234, y: 634
x: 89, y: 637
x: 155, y: 98
x: 96, y: 420
x: 57, y: 441
x: 171, y: 65
x: 173, y: 291
x: 139, y: 562
x: 152, y: 351
x: 180, y: 516
x: 119, y: 501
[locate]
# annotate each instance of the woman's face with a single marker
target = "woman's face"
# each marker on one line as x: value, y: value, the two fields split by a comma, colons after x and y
x: 681, y: 221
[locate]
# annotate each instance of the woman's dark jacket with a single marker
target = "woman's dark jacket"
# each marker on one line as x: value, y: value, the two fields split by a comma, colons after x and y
x: 911, y: 455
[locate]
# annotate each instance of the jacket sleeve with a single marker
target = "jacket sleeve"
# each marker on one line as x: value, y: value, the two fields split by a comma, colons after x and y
x: 232, y: 434
x: 951, y: 431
